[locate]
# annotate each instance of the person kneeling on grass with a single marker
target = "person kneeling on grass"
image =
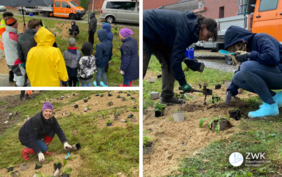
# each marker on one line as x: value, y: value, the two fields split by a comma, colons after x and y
x: 129, y: 57
x: 72, y: 56
x: 41, y: 126
x: 103, y: 56
x: 260, y: 71
x: 74, y: 31
x: 86, y: 65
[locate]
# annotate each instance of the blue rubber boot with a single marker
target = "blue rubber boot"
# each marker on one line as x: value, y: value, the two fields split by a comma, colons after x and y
x: 265, y: 110
x: 95, y: 84
x: 278, y: 99
x: 102, y: 84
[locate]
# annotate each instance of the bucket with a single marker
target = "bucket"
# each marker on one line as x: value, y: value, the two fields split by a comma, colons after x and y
x: 191, y: 53
x: 31, y: 14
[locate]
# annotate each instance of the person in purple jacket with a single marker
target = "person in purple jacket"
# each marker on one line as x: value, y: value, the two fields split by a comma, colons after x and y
x: 41, y: 126
x: 129, y: 57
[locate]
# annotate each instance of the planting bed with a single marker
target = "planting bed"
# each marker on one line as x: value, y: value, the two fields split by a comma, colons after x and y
x: 174, y: 141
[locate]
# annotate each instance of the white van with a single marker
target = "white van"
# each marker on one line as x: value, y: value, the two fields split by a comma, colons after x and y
x: 120, y: 11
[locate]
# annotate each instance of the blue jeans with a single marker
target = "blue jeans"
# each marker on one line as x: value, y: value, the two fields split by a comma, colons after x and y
x: 42, y: 146
x: 86, y: 85
x: 259, y: 78
x: 101, y: 72
x: 126, y: 81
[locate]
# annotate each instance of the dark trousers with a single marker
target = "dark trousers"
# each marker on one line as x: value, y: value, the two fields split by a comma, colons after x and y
x: 43, y: 147
x: 72, y: 81
x: 91, y: 37
x: 167, y: 75
x: 11, y: 76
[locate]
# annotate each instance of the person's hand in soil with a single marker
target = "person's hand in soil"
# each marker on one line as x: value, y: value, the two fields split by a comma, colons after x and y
x: 186, y: 88
x: 66, y: 145
x: 243, y: 57
x: 41, y: 157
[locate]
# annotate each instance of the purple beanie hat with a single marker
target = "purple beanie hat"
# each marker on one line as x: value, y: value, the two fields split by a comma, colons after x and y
x: 47, y: 105
x: 126, y: 32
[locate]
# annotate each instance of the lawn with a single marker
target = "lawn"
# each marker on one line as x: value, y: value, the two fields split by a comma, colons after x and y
x: 59, y: 28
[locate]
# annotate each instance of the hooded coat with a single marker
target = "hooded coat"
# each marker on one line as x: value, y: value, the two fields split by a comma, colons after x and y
x: 86, y: 65
x: 74, y: 27
x: 130, y: 59
x: 92, y: 23
x: 45, y: 65
x: 171, y: 32
x: 107, y: 27
x: 103, y: 49
x: 36, y: 128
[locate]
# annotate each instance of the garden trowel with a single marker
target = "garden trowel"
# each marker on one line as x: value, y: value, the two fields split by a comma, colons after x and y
x: 68, y: 155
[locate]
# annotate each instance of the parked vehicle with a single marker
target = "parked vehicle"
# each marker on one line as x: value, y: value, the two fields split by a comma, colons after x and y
x: 63, y: 8
x: 26, y: 10
x: 120, y: 11
x: 2, y: 8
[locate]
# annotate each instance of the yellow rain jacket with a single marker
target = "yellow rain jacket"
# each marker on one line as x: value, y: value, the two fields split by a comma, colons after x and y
x: 45, y: 65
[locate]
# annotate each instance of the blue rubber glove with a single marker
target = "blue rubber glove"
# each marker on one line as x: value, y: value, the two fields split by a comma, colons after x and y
x: 186, y: 88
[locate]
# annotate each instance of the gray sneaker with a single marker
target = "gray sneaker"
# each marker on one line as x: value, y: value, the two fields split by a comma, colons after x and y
x: 171, y: 100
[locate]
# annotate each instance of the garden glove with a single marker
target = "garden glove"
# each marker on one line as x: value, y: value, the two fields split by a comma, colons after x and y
x: 122, y: 72
x: 66, y: 145
x: 186, y: 88
x: 243, y: 57
x: 41, y: 157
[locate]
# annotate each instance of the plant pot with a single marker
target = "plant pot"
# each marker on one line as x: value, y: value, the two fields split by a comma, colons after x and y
x: 118, y: 96
x: 218, y: 86
x: 128, y: 94
x: 109, y: 124
x: 62, y: 96
x: 223, y: 123
x: 85, y: 109
x: 215, y: 99
x: 148, y: 149
x: 73, y: 94
x: 103, y: 117
x: 24, y: 166
x: 101, y: 95
x: 85, y: 100
x: 57, y: 166
x: 159, y: 76
x: 110, y: 103
x: 97, y: 94
x: 37, y: 166
x: 123, y: 121
x: 178, y: 116
x: 63, y: 113
x: 235, y: 114
x: 120, y: 92
x: 15, y: 174
x: 130, y: 115
x: 122, y: 99
x: 57, y: 173
x: 10, y: 169
x: 155, y: 95
x: 158, y: 113
x: 227, y: 84
x: 116, y: 117
x: 109, y: 94
x: 65, y: 175
x: 133, y: 119
x: 153, y: 79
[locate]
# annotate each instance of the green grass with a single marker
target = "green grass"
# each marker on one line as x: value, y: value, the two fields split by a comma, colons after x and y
x: 2, y: 102
x: 113, y: 76
x: 104, y: 152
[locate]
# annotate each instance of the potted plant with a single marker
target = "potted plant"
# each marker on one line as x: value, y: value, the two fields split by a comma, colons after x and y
x: 57, y: 164
x: 24, y: 166
x: 153, y: 79
x: 133, y: 119
x: 10, y: 168
x: 118, y: 96
x: 102, y: 94
x: 110, y: 103
x: 120, y: 92
x: 109, y: 122
x: 66, y: 170
x: 218, y: 86
x: 14, y: 173
x: 103, y: 114
x: 75, y: 106
x: 109, y: 94
x: 178, y: 115
x: 130, y: 115
x: 147, y: 144
x: 122, y: 99
x: 85, y: 109
x: 235, y: 113
x: 159, y: 109
x: 97, y: 94
x: 116, y: 115
x: 38, y: 165
x: 215, y: 99
x: 216, y: 123
x: 128, y: 94
x: 73, y: 94
x: 85, y: 100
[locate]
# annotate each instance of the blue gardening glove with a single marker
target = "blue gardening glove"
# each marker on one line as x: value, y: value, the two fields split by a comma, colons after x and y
x: 186, y: 88
x: 243, y: 57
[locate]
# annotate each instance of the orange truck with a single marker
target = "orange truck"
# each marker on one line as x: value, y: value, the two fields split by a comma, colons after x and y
x: 63, y: 8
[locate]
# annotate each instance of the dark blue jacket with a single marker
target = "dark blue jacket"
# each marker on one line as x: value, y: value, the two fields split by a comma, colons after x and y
x: 74, y: 27
x: 107, y: 27
x: 130, y: 58
x: 171, y: 32
x: 264, y: 48
x: 36, y: 128
x: 103, y: 49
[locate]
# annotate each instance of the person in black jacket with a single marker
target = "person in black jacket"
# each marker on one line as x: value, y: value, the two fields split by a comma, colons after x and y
x: 41, y: 126
x: 74, y: 31
x: 167, y: 34
x: 92, y: 28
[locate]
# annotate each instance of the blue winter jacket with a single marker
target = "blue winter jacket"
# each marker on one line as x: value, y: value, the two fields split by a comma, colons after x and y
x: 107, y: 27
x: 171, y: 32
x: 264, y: 48
x: 130, y: 59
x: 103, y: 49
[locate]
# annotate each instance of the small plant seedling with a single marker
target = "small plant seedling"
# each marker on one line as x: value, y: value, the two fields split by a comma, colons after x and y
x: 109, y: 121
x: 214, y: 119
x: 118, y: 96
x: 159, y: 106
x: 200, y: 95
x: 171, y: 119
x: 127, y: 98
x: 102, y: 94
x: 147, y: 141
x: 110, y: 103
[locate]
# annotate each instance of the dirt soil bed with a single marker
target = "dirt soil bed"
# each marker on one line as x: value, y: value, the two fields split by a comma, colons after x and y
x: 174, y: 141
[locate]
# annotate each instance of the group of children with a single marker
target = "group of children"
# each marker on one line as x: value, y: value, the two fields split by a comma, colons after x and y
x: 44, y: 65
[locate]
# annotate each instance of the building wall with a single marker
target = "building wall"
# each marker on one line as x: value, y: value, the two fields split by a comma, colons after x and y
x: 184, y: 6
x: 153, y: 4
x: 212, y: 8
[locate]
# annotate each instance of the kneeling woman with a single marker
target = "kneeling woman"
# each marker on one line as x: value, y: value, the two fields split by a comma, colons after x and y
x: 41, y: 126
x: 260, y: 71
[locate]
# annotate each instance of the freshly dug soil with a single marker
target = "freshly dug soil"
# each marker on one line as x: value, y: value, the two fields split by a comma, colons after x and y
x: 4, y: 68
x: 174, y: 141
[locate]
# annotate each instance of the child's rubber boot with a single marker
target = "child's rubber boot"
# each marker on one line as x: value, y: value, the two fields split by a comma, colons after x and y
x: 265, y: 110
x: 278, y: 99
x: 102, y: 84
x: 26, y: 152
x: 95, y: 84
x: 131, y: 83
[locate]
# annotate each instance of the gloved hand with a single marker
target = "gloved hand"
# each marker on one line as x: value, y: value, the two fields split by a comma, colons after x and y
x: 186, y: 88
x: 194, y: 65
x: 41, y: 24
x: 65, y: 83
x: 122, y: 72
x: 41, y: 157
x: 66, y: 145
x: 243, y: 57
